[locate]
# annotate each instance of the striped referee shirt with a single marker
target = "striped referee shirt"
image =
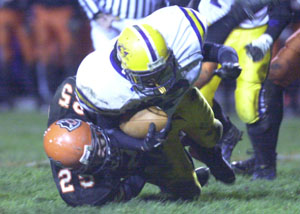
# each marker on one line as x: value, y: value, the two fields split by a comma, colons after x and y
x: 124, y: 9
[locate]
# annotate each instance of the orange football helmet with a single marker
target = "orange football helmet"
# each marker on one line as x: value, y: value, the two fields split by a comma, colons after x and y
x: 76, y: 144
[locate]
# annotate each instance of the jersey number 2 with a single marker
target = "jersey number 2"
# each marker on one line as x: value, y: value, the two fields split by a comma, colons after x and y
x: 65, y: 177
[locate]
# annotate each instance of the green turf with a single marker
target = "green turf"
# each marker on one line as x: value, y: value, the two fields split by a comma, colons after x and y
x: 26, y: 184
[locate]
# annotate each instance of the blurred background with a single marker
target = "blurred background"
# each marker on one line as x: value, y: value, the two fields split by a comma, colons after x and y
x: 43, y: 41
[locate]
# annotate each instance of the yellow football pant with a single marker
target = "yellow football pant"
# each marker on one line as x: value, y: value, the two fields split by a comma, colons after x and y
x: 248, y: 84
x: 175, y: 173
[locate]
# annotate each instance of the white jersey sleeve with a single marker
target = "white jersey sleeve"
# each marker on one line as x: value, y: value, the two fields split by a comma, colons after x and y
x: 101, y: 85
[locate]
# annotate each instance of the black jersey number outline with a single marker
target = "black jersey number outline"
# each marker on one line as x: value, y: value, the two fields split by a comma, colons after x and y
x: 66, y: 98
x: 65, y: 178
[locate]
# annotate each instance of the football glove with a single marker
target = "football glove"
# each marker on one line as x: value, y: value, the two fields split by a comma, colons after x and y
x: 229, y: 71
x: 258, y: 48
x: 153, y: 138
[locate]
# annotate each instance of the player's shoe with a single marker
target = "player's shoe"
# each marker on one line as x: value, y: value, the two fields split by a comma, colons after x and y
x: 202, y: 175
x: 244, y: 167
x: 265, y: 172
x: 214, y: 160
x: 265, y: 168
x: 220, y: 168
x: 229, y: 141
x: 248, y: 167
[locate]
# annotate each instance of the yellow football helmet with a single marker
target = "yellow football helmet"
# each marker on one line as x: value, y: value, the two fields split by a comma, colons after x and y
x: 148, y: 63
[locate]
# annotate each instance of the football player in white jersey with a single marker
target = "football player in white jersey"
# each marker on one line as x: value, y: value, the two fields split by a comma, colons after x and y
x: 249, y: 83
x: 281, y: 72
x: 156, y: 62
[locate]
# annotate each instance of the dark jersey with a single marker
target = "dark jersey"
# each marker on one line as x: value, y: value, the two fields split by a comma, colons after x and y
x: 280, y: 16
x: 64, y: 103
x: 96, y: 189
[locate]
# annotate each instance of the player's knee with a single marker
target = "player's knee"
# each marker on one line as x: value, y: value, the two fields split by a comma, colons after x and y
x: 186, y: 190
x: 211, y: 135
x: 247, y: 117
x: 246, y: 112
x: 218, y: 129
x: 259, y: 127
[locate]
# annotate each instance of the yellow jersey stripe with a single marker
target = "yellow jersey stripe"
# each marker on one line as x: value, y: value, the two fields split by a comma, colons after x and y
x: 83, y: 100
x: 196, y: 24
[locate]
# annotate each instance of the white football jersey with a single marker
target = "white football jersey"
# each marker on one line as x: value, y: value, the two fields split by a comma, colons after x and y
x: 101, y: 83
x: 213, y: 10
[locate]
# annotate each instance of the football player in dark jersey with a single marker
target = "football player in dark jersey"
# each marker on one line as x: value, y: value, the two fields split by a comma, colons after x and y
x: 90, y: 166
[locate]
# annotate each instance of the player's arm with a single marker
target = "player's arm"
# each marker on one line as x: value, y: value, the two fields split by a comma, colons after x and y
x: 122, y: 140
x: 90, y: 7
x: 152, y: 140
x: 219, y: 53
x: 280, y: 16
x: 224, y: 55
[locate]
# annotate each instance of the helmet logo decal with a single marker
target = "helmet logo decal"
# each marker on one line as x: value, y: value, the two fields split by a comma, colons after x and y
x: 122, y: 51
x: 69, y: 124
x: 147, y: 41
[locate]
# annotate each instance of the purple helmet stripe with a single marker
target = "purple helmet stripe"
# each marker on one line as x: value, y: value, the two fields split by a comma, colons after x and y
x: 150, y: 48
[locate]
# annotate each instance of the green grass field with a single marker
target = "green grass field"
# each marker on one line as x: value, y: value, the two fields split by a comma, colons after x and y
x: 26, y: 184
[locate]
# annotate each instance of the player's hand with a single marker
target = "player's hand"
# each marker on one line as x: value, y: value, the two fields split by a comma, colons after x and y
x: 155, y: 139
x: 229, y: 71
x: 258, y: 48
x: 105, y: 20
